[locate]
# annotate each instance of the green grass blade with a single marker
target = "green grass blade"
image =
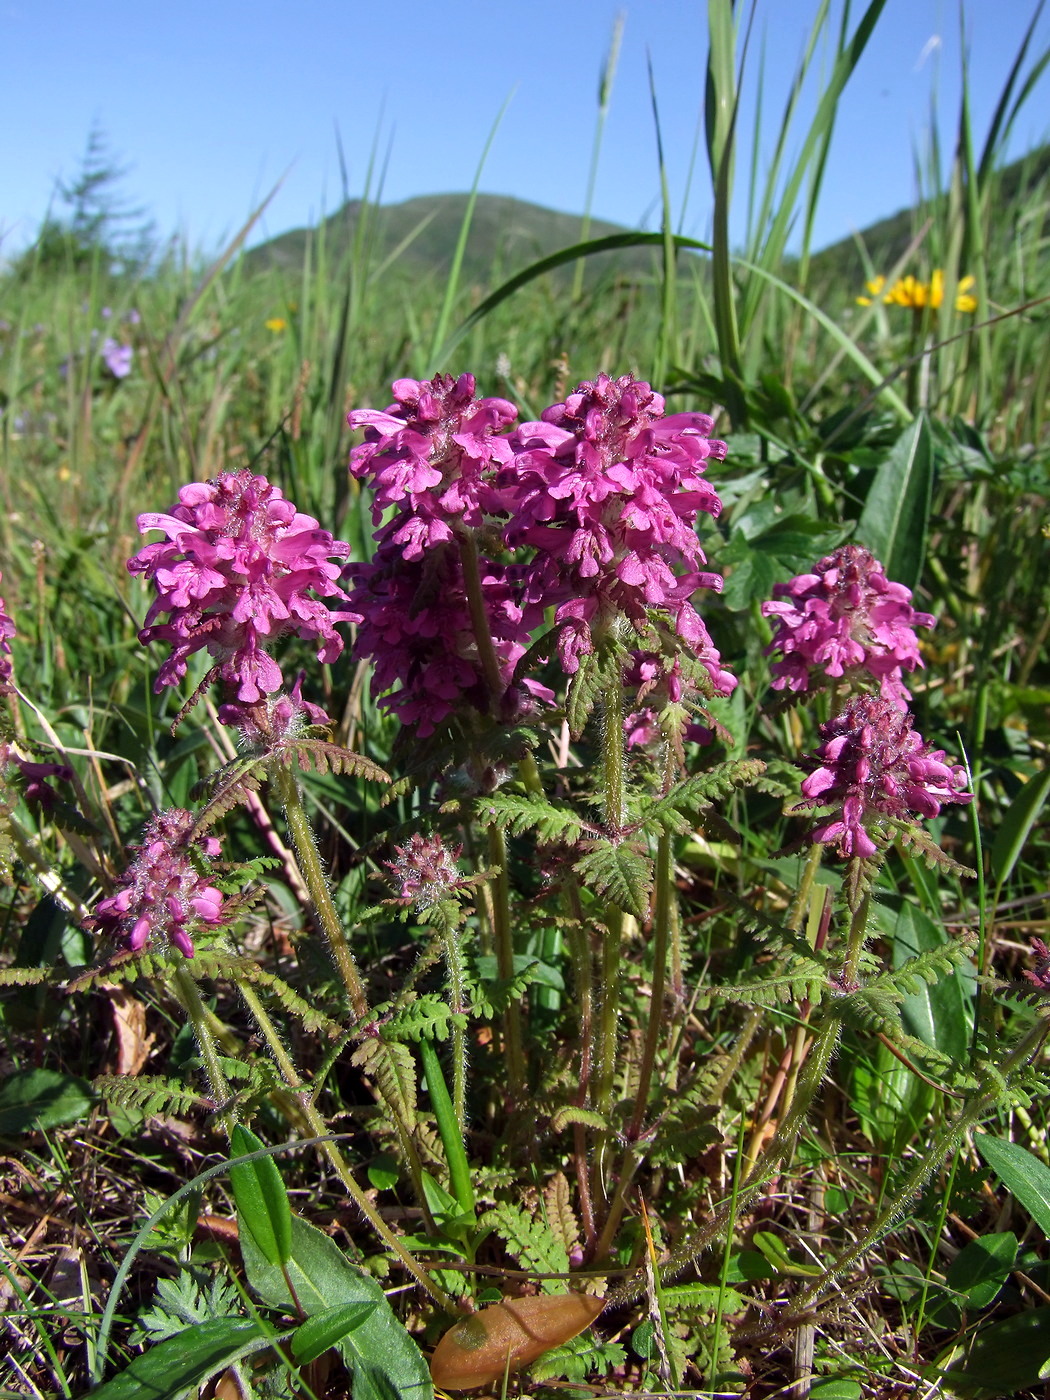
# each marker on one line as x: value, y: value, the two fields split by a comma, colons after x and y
x: 1016, y: 827
x: 605, y: 87
x: 448, y: 1128
x: 895, y: 520
x: 452, y: 286
x: 607, y: 244
x: 667, y: 333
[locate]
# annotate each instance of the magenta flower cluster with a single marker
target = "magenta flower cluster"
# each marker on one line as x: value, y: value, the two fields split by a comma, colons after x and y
x: 432, y: 457
x: 874, y: 768
x: 589, y: 512
x: 240, y: 567
x: 606, y: 491
x: 845, y: 620
x: 162, y: 893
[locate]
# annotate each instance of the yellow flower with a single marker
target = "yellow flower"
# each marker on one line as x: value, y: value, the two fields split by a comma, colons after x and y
x: 875, y: 287
x: 909, y: 291
x: 963, y: 300
x: 276, y: 324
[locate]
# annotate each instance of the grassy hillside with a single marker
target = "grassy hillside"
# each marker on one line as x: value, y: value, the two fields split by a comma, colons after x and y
x: 505, y: 234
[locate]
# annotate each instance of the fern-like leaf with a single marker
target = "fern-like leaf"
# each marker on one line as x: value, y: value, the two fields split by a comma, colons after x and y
x: 806, y: 979
x: 322, y: 756
x: 148, y: 1093
x: 696, y: 793
x: 530, y: 1240
x: 619, y: 873
x: 557, y: 1198
x: 26, y: 976
x: 585, y: 690
x: 427, y: 1017
x: 391, y: 1066
x: 563, y: 1117
x: 228, y: 788
x: 914, y: 837
x: 522, y: 812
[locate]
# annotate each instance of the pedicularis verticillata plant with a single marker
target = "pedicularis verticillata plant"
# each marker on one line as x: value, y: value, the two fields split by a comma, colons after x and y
x: 533, y: 618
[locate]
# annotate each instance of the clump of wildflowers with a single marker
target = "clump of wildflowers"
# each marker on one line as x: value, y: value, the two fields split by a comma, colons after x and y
x: 163, y: 891
x: 240, y: 567
x: 431, y: 454
x: 845, y: 619
x: 595, y: 507
x: 875, y: 769
x: 432, y: 457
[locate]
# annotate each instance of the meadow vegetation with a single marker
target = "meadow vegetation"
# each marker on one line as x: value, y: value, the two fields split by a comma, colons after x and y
x: 654, y: 962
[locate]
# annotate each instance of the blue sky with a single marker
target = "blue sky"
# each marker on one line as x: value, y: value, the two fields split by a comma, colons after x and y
x: 210, y: 104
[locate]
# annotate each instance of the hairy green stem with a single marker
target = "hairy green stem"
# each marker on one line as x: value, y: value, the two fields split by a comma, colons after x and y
x: 479, y: 620
x: 654, y: 1030
x: 458, y: 1001
x: 985, y: 1100
x: 189, y: 994
x: 858, y: 932
x: 614, y: 807
x: 317, y: 883
x: 503, y: 939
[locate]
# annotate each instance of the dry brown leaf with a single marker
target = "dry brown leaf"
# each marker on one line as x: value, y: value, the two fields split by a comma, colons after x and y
x: 129, y: 1022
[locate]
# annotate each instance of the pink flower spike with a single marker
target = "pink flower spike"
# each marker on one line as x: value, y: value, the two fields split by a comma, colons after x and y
x: 607, y: 492
x: 845, y: 619
x: 874, y: 767
x: 240, y: 568
x: 162, y: 893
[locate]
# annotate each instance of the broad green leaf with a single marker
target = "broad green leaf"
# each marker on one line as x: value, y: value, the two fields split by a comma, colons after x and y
x: 836, y: 1390
x: 326, y: 1329
x: 42, y: 1098
x: 1016, y: 826
x: 1024, y: 1176
x: 981, y: 1268
x: 895, y: 518
x: 173, y: 1368
x: 941, y: 1015
x: 383, y: 1358
x: 1008, y: 1357
x: 449, y: 1129
x: 262, y: 1201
